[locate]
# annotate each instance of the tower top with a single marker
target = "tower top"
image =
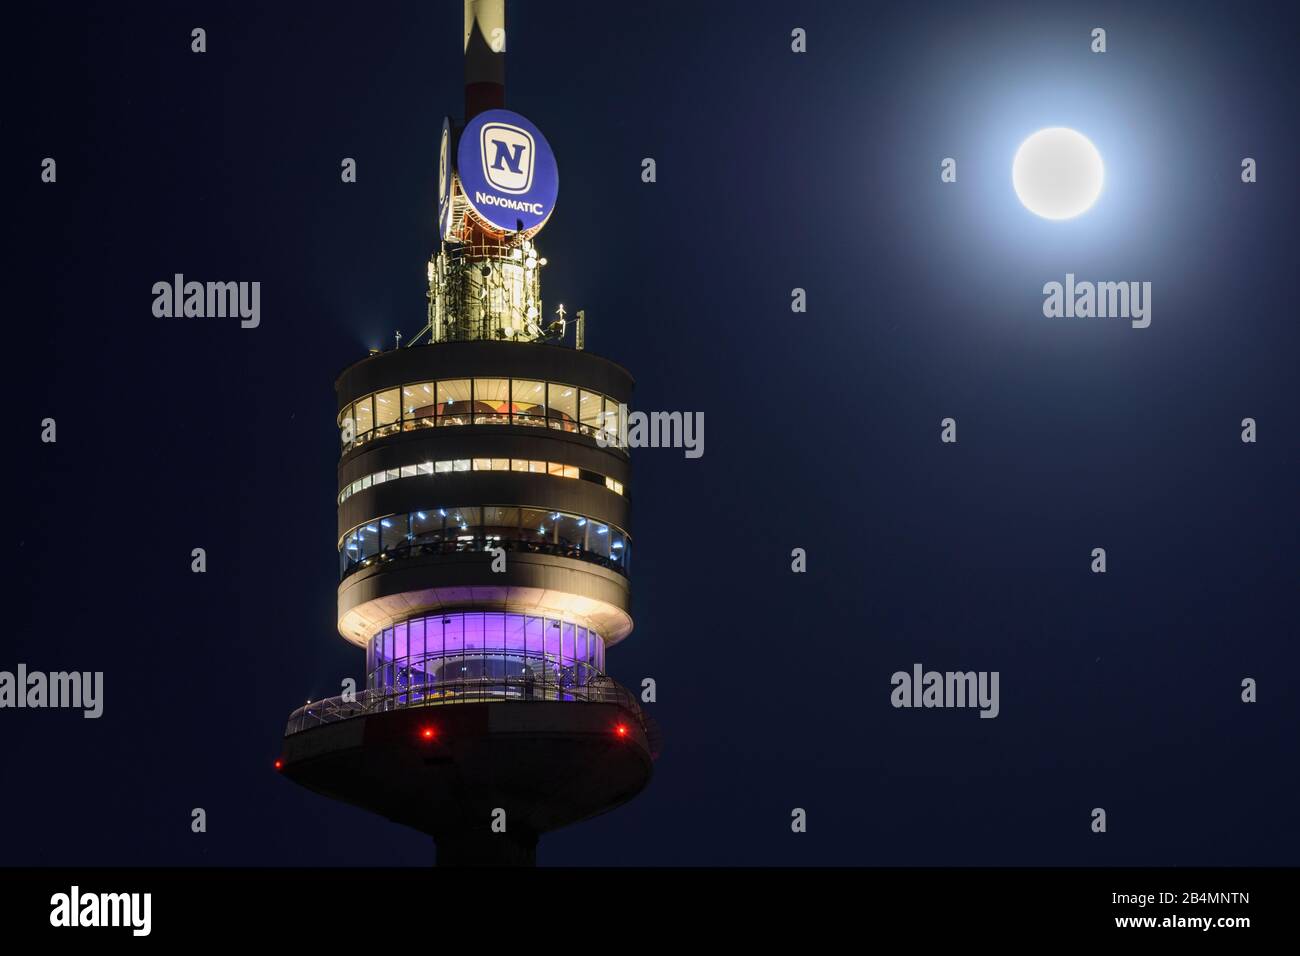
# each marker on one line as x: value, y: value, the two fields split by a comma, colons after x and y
x: 485, y: 56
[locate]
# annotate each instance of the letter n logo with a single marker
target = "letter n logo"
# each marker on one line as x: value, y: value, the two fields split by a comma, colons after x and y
x: 507, y: 157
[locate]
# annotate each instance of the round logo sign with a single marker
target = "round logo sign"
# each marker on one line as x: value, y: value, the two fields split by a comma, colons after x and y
x: 508, y: 172
x: 444, y: 181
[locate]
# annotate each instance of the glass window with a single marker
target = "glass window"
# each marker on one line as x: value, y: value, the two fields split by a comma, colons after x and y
x: 482, y: 464
x: 610, y: 423
x: 533, y: 628
x: 570, y: 471
x: 388, y: 411
x: 363, y: 414
x: 345, y: 417
x: 536, y: 525
x: 415, y: 638
x: 514, y: 636
x: 519, y: 464
x: 537, y: 467
x: 570, y: 530
x: 393, y: 532
x: 598, y: 539
x: 590, y: 409
x: 453, y: 634
x: 419, y: 401
x: 453, y: 402
x: 494, y: 631
x: 529, y: 402
x: 492, y: 401
x: 463, y: 525
x: 368, y: 540
x: 350, y: 553
x: 473, y: 631
x: 433, y: 635
x: 424, y: 468
x: 460, y: 464
x: 552, y: 638
x: 555, y: 468
x: 566, y: 643
x: 617, y: 545
x: 426, y: 527
x: 501, y: 523
x: 401, y: 649
x: 562, y: 406
x: 441, y: 467
x: 408, y: 471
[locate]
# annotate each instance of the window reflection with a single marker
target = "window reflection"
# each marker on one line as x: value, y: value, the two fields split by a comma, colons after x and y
x: 445, y: 530
x: 480, y: 401
x: 529, y: 402
x: 454, y: 402
x: 473, y: 653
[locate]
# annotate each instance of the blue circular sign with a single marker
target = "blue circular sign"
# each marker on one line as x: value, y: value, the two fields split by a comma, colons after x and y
x: 508, y: 172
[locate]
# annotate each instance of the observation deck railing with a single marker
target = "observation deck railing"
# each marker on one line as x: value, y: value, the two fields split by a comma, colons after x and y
x: 602, y: 690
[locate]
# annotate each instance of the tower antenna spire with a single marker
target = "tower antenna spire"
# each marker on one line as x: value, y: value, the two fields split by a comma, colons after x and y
x: 485, y: 56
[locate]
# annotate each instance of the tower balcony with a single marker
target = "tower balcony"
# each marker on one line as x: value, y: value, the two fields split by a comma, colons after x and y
x: 533, y: 678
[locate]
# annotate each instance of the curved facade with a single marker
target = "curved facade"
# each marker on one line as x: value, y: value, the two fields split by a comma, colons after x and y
x: 503, y: 491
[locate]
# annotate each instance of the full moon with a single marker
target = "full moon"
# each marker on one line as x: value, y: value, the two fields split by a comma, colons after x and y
x: 1057, y: 173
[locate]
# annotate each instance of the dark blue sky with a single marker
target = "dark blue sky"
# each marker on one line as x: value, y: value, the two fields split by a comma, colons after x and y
x: 775, y: 171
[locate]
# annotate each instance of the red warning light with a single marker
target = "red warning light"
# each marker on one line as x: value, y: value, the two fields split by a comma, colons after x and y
x: 621, y: 730
x: 426, y: 733
x: 279, y: 764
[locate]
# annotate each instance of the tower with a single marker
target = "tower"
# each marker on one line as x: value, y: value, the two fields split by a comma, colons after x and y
x: 483, y: 530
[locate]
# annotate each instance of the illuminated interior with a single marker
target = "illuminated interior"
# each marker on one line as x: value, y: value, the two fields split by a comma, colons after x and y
x: 533, y: 466
x: 479, y: 401
x: 453, y: 530
x: 511, y: 655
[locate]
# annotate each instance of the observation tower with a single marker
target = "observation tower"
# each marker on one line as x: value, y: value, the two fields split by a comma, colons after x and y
x: 484, y: 530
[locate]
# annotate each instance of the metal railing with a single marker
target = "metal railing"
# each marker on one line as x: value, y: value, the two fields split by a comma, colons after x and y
x: 601, y: 690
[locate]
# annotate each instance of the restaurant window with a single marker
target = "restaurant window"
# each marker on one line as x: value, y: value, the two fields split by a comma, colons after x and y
x: 562, y: 406
x: 388, y: 412
x: 363, y: 415
x: 420, y: 403
x: 491, y: 401
x: 529, y: 402
x: 454, y: 402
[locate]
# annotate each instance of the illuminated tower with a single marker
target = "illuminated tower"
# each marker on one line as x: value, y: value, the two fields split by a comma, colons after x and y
x: 483, y: 530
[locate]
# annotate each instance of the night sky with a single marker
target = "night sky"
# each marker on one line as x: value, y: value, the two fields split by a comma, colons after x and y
x: 775, y: 171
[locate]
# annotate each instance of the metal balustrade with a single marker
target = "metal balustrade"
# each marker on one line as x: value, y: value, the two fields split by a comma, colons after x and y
x: 505, y: 690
